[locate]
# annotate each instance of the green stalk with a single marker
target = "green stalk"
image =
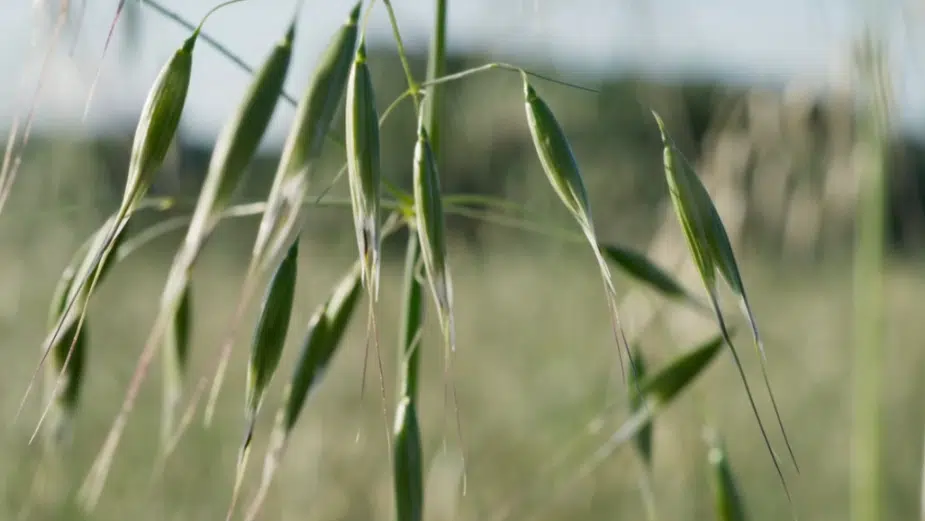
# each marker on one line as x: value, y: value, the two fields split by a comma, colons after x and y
x: 868, y: 285
x: 436, y: 67
x: 408, y: 476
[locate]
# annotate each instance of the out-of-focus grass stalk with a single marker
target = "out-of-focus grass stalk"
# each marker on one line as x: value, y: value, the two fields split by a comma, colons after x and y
x: 868, y: 287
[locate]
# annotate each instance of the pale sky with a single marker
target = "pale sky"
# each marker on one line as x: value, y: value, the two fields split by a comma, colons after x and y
x: 735, y: 40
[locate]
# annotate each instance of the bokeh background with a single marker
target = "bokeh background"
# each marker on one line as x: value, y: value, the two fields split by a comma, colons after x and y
x: 762, y: 97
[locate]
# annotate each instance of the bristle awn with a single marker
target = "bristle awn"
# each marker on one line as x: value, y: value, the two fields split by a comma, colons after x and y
x: 266, y: 351
x: 456, y: 76
x: 281, y: 221
x: 324, y: 334
x: 700, y: 223
x: 562, y: 172
x: 156, y: 130
x: 726, y: 264
x: 96, y: 77
x: 10, y: 169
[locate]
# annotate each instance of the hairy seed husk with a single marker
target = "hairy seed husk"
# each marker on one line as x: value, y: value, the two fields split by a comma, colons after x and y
x: 313, y: 119
x: 363, y: 168
x: 429, y: 222
x: 270, y: 334
x: 280, y: 223
x: 325, y: 331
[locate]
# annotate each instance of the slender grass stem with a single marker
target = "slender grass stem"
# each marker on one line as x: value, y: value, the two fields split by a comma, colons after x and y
x: 868, y: 286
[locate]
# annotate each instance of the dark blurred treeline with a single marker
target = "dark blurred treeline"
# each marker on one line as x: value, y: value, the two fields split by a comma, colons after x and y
x: 759, y: 137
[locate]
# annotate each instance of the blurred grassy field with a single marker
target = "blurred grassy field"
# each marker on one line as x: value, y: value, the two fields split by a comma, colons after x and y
x: 535, y: 372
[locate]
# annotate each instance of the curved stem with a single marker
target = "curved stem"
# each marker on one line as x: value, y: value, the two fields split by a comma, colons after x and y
x: 413, y: 85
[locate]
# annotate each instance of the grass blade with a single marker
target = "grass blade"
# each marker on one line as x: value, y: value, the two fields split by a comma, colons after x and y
x: 656, y: 392
x: 653, y: 394
x: 644, y: 438
x: 641, y: 268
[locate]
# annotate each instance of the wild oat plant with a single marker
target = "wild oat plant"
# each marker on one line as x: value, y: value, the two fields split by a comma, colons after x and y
x: 379, y: 210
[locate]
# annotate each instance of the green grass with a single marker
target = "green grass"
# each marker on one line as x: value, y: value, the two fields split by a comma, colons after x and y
x: 533, y: 366
x: 535, y: 371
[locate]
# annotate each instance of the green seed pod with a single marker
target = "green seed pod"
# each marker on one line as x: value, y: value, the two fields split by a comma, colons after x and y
x: 709, y: 246
x: 312, y: 121
x: 556, y: 155
x: 68, y: 350
x: 726, y: 499
x: 234, y: 150
x: 362, y: 131
x: 64, y: 396
x: 156, y: 128
x: 270, y: 334
x: 239, y: 139
x: 562, y: 171
x: 325, y: 331
x: 280, y: 222
x: 428, y: 209
x: 159, y: 120
x: 269, y: 339
x: 409, y: 482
